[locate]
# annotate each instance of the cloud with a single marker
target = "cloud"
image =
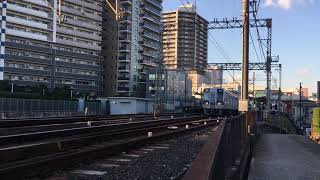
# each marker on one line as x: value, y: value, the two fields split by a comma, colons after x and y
x: 304, y: 72
x: 287, y: 4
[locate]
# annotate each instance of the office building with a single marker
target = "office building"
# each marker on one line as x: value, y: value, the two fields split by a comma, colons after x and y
x: 211, y: 77
x: 40, y: 45
x: 185, y: 39
x: 139, y: 45
x: 171, y: 88
x: 318, y: 92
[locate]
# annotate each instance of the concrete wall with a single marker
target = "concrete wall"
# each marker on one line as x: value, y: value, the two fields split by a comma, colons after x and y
x: 128, y: 105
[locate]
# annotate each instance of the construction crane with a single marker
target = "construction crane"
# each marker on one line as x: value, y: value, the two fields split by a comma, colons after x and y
x: 61, y: 18
x: 116, y: 9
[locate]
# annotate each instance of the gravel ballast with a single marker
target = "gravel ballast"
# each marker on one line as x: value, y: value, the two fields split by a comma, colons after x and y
x: 168, y: 159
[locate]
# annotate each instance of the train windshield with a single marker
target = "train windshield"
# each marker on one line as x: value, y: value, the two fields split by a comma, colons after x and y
x: 219, y: 95
x: 206, y: 96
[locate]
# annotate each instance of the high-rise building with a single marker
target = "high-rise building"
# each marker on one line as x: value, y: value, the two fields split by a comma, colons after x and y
x: 318, y: 92
x: 38, y: 46
x: 185, y: 39
x: 139, y: 45
x: 110, y: 48
x: 305, y: 92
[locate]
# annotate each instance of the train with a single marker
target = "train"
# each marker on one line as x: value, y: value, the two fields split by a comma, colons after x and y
x: 219, y: 102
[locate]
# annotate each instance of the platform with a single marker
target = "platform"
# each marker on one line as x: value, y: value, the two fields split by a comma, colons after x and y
x: 285, y: 157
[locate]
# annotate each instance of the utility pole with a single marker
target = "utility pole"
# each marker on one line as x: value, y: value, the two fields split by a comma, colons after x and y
x: 185, y: 89
x: 300, y: 100
x: 280, y: 84
x: 244, y: 102
x: 253, y: 84
x: 268, y: 66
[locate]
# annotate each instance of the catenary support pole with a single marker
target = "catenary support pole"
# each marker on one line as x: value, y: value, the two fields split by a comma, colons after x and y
x: 244, y: 102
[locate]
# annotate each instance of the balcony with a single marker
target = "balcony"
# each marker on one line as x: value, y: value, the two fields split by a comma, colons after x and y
x: 79, y: 44
x: 79, y: 34
x: 24, y: 34
x: 124, y: 59
x: 27, y: 22
x: 148, y: 45
x: 124, y: 68
x: 123, y: 78
x: 150, y: 36
x: 150, y: 27
x: 152, y: 10
x: 149, y: 18
x: 125, y: 38
x: 86, y: 4
x: 30, y: 11
x: 123, y: 89
x: 142, y: 71
x: 126, y: 2
x: 79, y: 13
x: 148, y: 63
x: 126, y: 18
x: 125, y: 29
x: 142, y: 80
x: 150, y: 56
x: 155, y: 3
x: 124, y: 49
x: 126, y: 11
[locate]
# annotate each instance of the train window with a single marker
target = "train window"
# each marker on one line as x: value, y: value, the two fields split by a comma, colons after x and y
x: 219, y: 95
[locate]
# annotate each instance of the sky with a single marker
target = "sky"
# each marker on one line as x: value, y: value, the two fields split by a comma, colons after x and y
x: 295, y: 37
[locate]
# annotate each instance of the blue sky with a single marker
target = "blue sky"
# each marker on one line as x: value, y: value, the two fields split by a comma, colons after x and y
x: 295, y: 38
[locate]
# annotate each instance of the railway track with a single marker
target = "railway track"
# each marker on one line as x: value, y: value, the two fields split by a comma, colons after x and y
x: 29, y: 122
x: 62, y: 149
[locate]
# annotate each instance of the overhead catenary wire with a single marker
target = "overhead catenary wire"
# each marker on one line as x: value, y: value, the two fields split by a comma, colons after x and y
x: 214, y: 42
x: 254, y: 47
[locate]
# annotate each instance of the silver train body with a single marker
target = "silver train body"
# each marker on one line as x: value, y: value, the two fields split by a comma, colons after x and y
x: 219, y: 101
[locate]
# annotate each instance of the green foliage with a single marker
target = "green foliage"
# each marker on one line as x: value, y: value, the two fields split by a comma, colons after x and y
x: 41, y: 91
x: 5, y: 85
x: 283, y: 122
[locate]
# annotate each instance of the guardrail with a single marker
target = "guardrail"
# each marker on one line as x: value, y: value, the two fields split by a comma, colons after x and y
x: 227, y: 151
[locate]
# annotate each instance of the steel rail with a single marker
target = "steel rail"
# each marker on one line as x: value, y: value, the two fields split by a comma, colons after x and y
x: 124, y: 141
x: 60, y: 133
x: 7, y: 123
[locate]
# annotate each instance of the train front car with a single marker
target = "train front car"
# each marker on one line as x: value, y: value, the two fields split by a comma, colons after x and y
x: 207, y: 100
x: 219, y: 102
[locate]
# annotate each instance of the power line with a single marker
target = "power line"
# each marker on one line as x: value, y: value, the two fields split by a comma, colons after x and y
x: 213, y: 41
x: 254, y: 47
x: 258, y: 32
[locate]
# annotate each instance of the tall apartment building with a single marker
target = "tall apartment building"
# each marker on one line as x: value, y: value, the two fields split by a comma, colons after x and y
x: 185, y: 39
x: 37, y: 49
x: 109, y: 49
x: 139, y: 45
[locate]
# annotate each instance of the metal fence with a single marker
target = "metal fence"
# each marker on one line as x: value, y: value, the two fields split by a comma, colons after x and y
x: 227, y: 151
x: 14, y: 108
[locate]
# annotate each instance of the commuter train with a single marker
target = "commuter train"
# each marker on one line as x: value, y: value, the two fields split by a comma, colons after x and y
x: 218, y: 101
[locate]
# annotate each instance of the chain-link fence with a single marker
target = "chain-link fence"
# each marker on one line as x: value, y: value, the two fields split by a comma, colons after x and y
x: 14, y: 108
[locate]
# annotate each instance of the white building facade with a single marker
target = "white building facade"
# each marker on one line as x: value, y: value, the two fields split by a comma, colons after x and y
x: 38, y: 49
x: 139, y: 45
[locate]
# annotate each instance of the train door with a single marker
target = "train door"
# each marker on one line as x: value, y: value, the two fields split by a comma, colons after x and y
x: 220, y: 96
